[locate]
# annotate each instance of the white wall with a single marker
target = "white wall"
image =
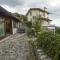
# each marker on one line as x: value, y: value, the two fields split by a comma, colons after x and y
x: 14, y: 30
x: 52, y: 27
x: 44, y: 23
x: 36, y: 13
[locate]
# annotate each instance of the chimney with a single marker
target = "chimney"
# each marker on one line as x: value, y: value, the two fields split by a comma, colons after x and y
x: 45, y: 9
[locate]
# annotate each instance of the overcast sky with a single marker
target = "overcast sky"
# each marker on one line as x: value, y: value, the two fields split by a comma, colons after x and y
x: 22, y: 6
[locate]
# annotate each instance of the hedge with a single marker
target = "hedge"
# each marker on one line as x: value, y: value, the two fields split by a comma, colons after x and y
x: 50, y: 43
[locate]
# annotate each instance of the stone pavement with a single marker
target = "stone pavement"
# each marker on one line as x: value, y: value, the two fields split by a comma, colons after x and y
x: 15, y: 47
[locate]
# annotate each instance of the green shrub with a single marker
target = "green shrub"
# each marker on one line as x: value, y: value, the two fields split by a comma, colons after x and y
x: 50, y: 43
x: 29, y: 24
x: 29, y: 32
x: 57, y: 30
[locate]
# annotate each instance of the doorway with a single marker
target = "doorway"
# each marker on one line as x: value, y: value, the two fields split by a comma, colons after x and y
x: 8, y: 26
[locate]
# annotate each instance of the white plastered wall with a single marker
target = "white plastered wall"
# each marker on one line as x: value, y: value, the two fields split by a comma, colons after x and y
x: 14, y: 30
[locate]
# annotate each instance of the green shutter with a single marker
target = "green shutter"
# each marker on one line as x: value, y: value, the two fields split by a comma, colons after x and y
x: 2, y: 32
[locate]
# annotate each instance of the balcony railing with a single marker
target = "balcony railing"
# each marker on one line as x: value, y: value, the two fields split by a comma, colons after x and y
x: 48, y: 28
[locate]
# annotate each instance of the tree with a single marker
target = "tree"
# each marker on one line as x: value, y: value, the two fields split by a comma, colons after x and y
x: 57, y: 30
x: 37, y: 27
x: 16, y: 14
x: 22, y: 18
x: 29, y: 24
x: 38, y: 24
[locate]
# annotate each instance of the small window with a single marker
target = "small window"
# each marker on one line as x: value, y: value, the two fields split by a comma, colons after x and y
x: 34, y: 17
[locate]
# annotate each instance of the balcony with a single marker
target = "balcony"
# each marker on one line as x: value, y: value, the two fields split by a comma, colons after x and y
x: 49, y: 28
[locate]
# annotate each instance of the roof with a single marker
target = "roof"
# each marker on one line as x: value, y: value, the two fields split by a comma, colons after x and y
x: 37, y: 9
x: 5, y: 13
x: 20, y: 16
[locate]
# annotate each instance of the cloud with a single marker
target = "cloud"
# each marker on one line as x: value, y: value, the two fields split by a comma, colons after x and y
x: 22, y: 6
x: 54, y: 3
x: 54, y: 9
x: 11, y: 3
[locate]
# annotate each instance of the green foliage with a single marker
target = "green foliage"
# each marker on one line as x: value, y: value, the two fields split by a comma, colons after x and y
x: 17, y: 14
x: 33, y: 47
x: 21, y: 17
x: 29, y: 24
x: 29, y: 32
x: 37, y: 27
x: 24, y: 19
x: 58, y: 30
x: 50, y: 43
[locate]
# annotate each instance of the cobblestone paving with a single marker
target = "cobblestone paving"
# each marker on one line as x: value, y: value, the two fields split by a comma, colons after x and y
x: 14, y: 47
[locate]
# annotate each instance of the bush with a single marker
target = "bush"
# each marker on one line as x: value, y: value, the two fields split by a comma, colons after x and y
x: 57, y: 30
x: 50, y: 43
x: 29, y: 24
x: 29, y: 32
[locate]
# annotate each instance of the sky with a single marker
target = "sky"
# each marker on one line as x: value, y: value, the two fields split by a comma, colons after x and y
x: 22, y: 6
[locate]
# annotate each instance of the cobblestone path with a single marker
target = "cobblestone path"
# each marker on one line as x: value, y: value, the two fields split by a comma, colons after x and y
x: 15, y: 47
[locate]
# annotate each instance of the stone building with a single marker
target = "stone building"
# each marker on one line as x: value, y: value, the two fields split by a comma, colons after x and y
x: 8, y: 23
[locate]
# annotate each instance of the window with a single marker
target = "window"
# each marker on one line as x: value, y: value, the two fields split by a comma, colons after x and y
x: 34, y: 17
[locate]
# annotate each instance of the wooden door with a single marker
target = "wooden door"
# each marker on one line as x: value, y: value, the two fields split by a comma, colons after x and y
x: 8, y: 26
